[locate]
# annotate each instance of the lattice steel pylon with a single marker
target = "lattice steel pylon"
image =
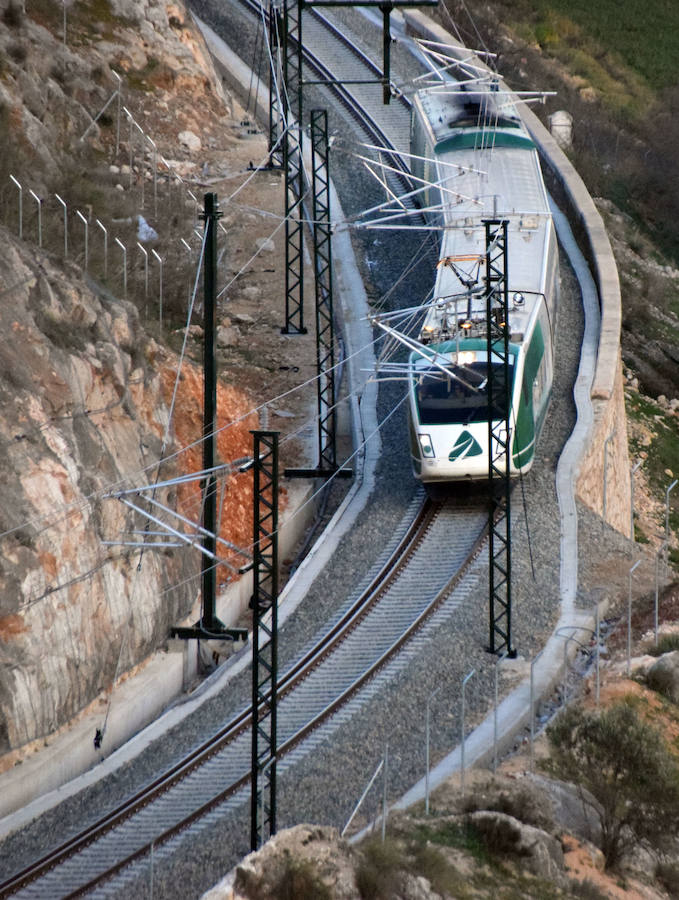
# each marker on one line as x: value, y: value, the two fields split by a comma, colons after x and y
x: 276, y: 27
x: 499, y: 439
x: 325, y: 339
x: 294, y: 167
x: 264, y: 638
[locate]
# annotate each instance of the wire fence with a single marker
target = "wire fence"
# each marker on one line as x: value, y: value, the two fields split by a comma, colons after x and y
x: 134, y: 228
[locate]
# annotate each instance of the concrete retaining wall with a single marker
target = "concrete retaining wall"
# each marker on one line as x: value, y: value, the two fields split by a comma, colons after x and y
x: 607, y: 396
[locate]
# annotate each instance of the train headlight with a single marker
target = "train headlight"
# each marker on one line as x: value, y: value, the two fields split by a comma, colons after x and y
x: 466, y: 357
x: 426, y: 445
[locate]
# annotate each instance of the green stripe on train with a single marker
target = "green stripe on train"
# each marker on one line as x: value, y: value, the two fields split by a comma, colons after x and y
x: 524, y: 433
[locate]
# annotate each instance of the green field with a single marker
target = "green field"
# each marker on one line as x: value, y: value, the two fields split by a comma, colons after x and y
x: 627, y: 59
x: 647, y: 43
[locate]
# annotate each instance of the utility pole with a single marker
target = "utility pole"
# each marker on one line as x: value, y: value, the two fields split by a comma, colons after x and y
x: 209, y: 626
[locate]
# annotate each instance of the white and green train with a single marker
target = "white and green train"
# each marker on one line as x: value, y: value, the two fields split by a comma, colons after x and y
x: 470, y: 145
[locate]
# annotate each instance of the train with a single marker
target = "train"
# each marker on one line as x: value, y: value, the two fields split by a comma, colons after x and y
x: 471, y: 150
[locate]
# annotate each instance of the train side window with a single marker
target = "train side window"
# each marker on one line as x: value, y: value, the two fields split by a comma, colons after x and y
x: 539, y: 384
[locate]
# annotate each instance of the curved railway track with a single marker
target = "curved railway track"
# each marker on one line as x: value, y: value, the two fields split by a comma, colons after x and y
x: 330, y: 55
x: 416, y: 581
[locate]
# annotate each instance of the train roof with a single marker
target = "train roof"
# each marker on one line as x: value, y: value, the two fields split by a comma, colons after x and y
x: 487, y: 168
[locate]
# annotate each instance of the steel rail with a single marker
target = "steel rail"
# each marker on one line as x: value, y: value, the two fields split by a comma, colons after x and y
x: 344, y: 95
x: 215, y: 744
x: 304, y: 732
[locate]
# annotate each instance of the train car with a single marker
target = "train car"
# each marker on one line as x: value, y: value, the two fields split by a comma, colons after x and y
x: 469, y: 145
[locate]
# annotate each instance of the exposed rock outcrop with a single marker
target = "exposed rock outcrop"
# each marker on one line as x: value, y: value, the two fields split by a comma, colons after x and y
x: 541, y: 853
x: 85, y: 393
x: 312, y: 853
x: 663, y: 676
x: 83, y: 411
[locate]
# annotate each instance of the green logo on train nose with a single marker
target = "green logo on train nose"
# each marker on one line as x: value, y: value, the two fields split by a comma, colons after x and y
x: 465, y: 445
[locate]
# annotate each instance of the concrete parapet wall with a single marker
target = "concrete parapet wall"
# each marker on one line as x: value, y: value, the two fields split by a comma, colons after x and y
x: 606, y: 390
x: 572, y: 195
x: 604, y: 474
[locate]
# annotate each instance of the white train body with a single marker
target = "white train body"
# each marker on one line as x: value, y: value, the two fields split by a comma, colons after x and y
x: 482, y: 165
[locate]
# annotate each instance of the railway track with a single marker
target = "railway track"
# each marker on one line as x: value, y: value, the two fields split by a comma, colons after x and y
x: 413, y: 584
x: 330, y: 55
x: 321, y: 689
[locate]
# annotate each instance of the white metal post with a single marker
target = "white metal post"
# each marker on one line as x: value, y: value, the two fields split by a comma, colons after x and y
x: 146, y: 278
x: 462, y: 730
x: 142, y: 163
x: 195, y: 200
x: 39, y: 202
x: 659, y: 555
x: 63, y: 203
x: 21, y: 207
x: 629, y: 617
x: 119, y: 91
x: 130, y: 122
x: 190, y: 252
x: 122, y: 247
x: 160, y: 290
x: 100, y: 224
x: 84, y: 221
x: 155, y: 176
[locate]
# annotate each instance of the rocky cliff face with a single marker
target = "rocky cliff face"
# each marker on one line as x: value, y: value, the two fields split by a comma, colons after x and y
x: 81, y: 410
x: 85, y: 391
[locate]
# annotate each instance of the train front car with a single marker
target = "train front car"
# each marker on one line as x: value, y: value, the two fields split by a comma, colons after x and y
x: 482, y: 165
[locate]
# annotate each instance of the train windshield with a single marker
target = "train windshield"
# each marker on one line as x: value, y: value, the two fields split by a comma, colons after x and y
x: 460, y: 397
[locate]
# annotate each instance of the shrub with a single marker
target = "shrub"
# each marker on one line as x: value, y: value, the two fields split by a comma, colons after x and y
x: 523, y: 803
x: 444, y: 878
x: 301, y: 881
x: 501, y: 836
x: 586, y: 890
x: 667, y: 874
x: 13, y: 16
x: 461, y: 835
x: 666, y: 644
x: 625, y: 764
x: 17, y: 52
x: 662, y: 678
x: 378, y: 876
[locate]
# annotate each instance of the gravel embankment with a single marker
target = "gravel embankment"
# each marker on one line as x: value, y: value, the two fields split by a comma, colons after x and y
x: 325, y: 787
